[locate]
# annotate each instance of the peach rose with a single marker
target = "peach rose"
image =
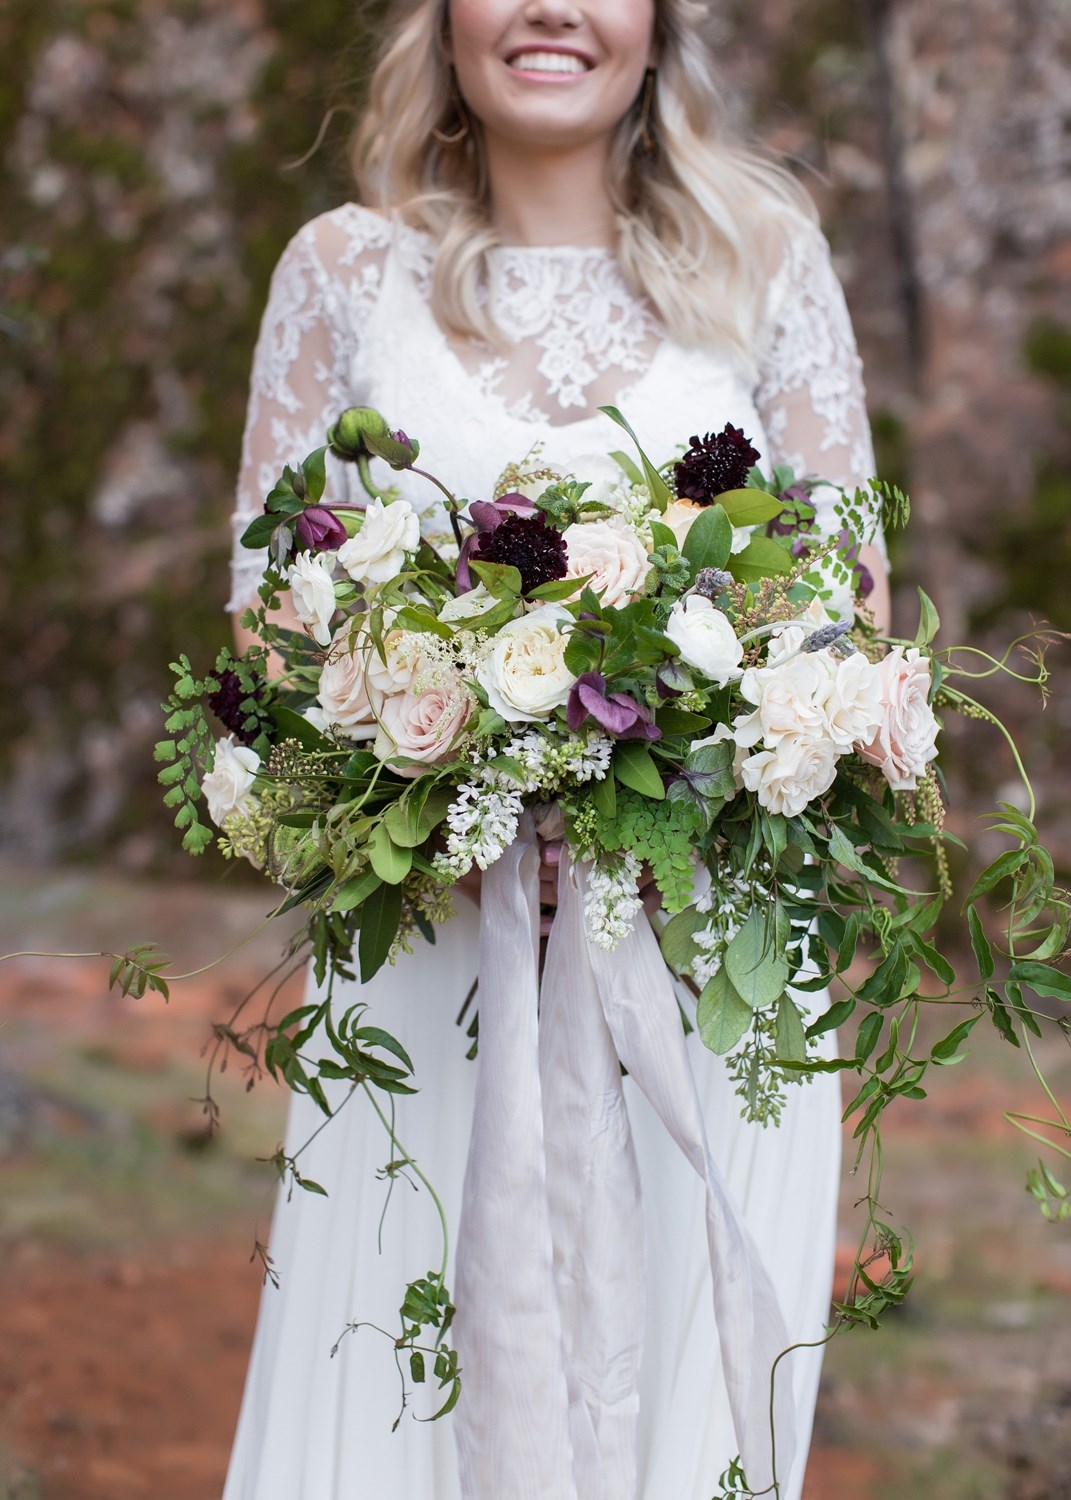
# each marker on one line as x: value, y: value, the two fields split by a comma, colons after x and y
x: 904, y: 744
x: 345, y: 700
x: 611, y: 556
x: 425, y: 726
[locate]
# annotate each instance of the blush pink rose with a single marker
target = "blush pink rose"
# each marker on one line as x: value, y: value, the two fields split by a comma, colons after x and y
x: 424, y: 726
x: 904, y: 743
x: 610, y: 556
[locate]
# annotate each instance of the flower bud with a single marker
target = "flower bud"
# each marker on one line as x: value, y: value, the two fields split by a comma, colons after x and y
x: 350, y: 436
x: 319, y: 529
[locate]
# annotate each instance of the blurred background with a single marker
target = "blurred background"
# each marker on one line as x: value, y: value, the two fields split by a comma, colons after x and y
x: 150, y: 175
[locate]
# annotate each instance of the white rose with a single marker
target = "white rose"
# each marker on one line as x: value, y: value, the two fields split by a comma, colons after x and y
x: 423, y: 727
x: 313, y: 592
x: 679, y: 516
x: 791, y: 636
x: 612, y: 554
x: 722, y: 733
x: 790, y: 700
x: 787, y: 779
x: 525, y: 675
x: 476, y: 602
x: 705, y: 638
x: 854, y: 708
x: 403, y: 652
x: 378, y: 550
x: 227, y: 786
x: 904, y: 743
x: 343, y: 689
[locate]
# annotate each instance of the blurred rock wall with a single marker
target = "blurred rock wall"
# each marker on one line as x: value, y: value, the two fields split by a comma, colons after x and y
x: 145, y: 148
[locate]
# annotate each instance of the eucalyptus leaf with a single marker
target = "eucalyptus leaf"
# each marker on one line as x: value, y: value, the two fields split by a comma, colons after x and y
x: 390, y: 862
x: 679, y: 948
x: 789, y: 1037
x: 757, y: 969
x: 722, y: 1016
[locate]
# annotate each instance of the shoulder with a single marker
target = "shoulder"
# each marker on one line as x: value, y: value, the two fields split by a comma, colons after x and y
x: 803, y: 291
x: 351, y: 240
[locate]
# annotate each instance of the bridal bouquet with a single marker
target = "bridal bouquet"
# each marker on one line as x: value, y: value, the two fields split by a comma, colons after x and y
x: 679, y: 674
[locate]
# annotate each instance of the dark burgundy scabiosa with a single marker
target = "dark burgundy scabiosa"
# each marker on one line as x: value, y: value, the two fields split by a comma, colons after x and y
x: 527, y: 543
x: 714, y: 464
x: 319, y: 529
x: 226, y: 703
x: 620, y: 715
x: 487, y: 516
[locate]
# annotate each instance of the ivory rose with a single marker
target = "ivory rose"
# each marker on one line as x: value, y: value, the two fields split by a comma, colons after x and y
x: 343, y: 689
x: 425, y: 726
x: 905, y: 741
x: 403, y: 653
x: 312, y: 590
x: 788, y: 778
x: 705, y: 638
x: 378, y: 550
x: 854, y: 708
x: 228, y: 785
x: 612, y: 554
x: 525, y: 676
x: 790, y: 700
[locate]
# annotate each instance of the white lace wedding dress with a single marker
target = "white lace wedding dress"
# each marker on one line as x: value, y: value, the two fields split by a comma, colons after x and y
x: 348, y: 322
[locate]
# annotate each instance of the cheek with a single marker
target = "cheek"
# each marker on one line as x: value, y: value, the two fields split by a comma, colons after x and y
x: 473, y: 28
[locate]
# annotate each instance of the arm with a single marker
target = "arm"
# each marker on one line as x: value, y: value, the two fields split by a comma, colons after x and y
x: 810, y: 393
x: 298, y: 385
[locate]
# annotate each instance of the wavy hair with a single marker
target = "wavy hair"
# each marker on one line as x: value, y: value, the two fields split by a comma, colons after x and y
x: 701, y: 217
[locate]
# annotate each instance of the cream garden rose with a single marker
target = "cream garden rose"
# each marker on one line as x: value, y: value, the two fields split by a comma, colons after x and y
x: 790, y: 700
x: 425, y: 726
x: 705, y: 638
x: 347, y: 699
x: 612, y: 554
x: 228, y: 786
x: 378, y: 550
x: 312, y: 591
x: 525, y: 676
x: 403, y: 652
x: 905, y: 740
x: 789, y: 777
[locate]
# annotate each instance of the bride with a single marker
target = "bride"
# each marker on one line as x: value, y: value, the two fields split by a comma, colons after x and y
x: 553, y: 217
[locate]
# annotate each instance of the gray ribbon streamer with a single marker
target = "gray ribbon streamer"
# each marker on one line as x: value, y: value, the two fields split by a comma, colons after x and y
x: 550, y: 1269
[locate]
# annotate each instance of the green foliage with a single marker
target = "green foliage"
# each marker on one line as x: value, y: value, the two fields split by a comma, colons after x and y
x: 662, y: 834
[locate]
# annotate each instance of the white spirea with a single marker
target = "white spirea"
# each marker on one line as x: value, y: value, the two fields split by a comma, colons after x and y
x: 612, y: 899
x: 525, y: 676
x: 377, y: 553
x: 227, y: 787
x: 706, y: 639
x: 312, y: 590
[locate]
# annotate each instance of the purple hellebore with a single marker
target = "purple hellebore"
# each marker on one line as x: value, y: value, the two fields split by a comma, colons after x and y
x: 319, y: 529
x: 486, y: 516
x: 617, y: 713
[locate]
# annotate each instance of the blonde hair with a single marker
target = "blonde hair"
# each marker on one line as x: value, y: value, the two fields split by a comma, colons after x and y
x: 701, y: 217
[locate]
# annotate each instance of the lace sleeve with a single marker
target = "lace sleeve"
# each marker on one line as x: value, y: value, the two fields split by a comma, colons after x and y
x: 810, y: 392
x: 299, y: 383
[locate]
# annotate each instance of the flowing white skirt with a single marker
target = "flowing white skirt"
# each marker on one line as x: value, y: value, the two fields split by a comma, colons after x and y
x: 313, y: 1427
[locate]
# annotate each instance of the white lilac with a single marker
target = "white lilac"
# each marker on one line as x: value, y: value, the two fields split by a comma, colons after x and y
x: 549, y: 764
x: 612, y: 899
x: 483, y: 823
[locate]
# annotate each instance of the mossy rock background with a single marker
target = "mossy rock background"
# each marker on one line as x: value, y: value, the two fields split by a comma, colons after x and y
x: 146, y: 149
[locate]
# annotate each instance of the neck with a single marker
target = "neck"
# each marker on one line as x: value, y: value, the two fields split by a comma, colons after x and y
x: 547, y: 197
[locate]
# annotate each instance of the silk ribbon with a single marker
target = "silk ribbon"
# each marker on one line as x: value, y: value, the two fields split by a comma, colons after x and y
x: 550, y: 1260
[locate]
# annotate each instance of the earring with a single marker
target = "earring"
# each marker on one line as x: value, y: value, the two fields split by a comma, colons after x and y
x: 647, y: 140
x: 456, y: 136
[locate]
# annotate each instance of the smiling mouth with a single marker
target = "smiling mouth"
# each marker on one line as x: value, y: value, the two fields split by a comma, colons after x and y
x: 559, y: 64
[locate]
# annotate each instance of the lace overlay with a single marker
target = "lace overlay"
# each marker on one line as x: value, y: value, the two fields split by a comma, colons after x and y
x: 348, y: 322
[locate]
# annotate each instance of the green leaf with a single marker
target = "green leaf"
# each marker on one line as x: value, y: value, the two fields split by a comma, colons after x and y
x: 677, y: 940
x: 355, y: 891
x: 722, y: 1016
x: 673, y: 720
x: 259, y: 531
x: 869, y: 1031
x: 789, y: 1038
x: 835, y: 1016
x: 661, y: 536
x: 750, y: 507
x: 582, y: 653
x: 761, y: 558
x: 660, y: 492
x: 632, y: 472
x: 709, y: 540
x: 314, y: 469
x: 380, y: 917
x: 416, y: 1367
x: 929, y: 620
x: 1043, y: 979
x: 375, y: 1036
x: 559, y: 588
x: 757, y: 969
x: 1008, y: 864
x: 604, y: 797
x: 635, y: 768
x: 499, y: 579
x: 390, y: 862
x: 310, y: 1186
x: 947, y: 1048
x: 292, y: 726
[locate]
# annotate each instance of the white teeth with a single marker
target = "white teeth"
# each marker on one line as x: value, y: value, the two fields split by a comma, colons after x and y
x: 548, y: 62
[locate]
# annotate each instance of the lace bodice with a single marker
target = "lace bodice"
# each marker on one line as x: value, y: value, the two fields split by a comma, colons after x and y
x: 348, y: 322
